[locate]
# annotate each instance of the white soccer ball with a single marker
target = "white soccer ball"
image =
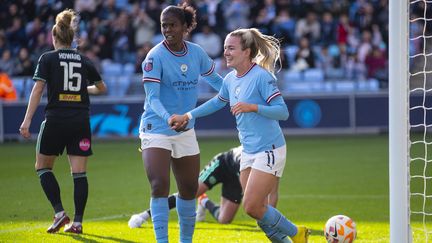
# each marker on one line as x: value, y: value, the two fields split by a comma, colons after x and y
x: 340, y: 229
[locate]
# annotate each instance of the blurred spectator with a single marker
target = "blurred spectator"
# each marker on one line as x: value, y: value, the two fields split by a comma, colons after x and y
x: 355, y: 69
x: 284, y: 27
x: 363, y: 17
x: 107, y: 12
x: 355, y: 9
x: 328, y: 29
x: 3, y: 43
x: 376, y: 64
x: 7, y: 89
x: 209, y: 41
x: 305, y: 57
x: 212, y: 13
x: 382, y: 18
x: 341, y: 57
x: 16, y: 35
x: 7, y: 63
x: 309, y: 27
x: 153, y: 8
x: 377, y: 39
x: 353, y: 40
x: 237, y: 15
x: 144, y: 27
x: 261, y: 22
x: 326, y: 61
x: 105, y: 49
x: 43, y: 9
x: 86, y: 8
x: 91, y: 53
x: 264, y: 18
x: 23, y: 64
x: 270, y: 7
x: 33, y: 29
x: 343, y: 29
x: 9, y: 15
x: 123, y: 38
x: 365, y: 46
x: 40, y: 46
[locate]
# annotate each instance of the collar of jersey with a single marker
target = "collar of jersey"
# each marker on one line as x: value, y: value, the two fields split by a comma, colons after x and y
x: 244, y: 74
x: 177, y: 54
x: 66, y: 49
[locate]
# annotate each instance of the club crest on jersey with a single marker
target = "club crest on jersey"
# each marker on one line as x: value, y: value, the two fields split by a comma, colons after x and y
x: 183, y: 68
x: 148, y: 66
x: 236, y: 92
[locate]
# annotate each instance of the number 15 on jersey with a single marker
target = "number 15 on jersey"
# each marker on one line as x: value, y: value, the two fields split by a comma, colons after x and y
x: 69, y: 75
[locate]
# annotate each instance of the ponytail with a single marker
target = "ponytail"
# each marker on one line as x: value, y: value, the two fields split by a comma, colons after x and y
x: 64, y: 27
x: 265, y: 49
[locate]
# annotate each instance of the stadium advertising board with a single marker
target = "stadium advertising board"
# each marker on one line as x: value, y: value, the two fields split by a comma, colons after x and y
x: 317, y: 114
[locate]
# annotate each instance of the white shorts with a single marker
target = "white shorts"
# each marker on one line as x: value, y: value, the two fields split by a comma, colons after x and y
x: 269, y: 161
x: 181, y: 145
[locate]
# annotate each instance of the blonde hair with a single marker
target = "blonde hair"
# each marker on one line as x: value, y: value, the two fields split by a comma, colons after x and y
x: 64, y: 27
x: 265, y: 49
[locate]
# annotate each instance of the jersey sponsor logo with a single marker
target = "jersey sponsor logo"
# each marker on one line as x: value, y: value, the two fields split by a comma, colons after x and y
x: 84, y: 144
x: 148, y: 66
x: 185, y: 85
x: 70, y: 97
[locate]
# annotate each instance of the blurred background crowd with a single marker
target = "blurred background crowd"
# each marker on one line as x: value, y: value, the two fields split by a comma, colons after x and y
x: 323, y: 41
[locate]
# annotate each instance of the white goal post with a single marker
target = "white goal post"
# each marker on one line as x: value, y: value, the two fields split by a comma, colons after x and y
x: 400, y: 231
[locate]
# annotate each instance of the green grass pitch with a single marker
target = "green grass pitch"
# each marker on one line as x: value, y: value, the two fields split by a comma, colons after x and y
x: 324, y: 176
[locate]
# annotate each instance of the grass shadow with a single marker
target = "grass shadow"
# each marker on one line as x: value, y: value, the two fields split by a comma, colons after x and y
x: 82, y: 238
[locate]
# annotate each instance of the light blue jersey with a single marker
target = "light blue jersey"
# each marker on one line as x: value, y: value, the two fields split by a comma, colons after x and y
x: 257, y: 132
x: 171, y: 84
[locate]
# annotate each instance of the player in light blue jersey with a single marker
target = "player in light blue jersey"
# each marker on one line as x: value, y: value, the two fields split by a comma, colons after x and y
x: 257, y: 104
x: 170, y: 75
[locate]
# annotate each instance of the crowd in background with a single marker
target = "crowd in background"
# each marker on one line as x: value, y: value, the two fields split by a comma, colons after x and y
x: 343, y: 38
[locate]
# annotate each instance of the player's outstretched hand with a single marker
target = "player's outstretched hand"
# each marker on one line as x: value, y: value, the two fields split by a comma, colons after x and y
x: 178, y: 122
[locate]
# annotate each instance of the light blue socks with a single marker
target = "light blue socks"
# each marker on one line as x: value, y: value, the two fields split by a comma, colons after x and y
x: 159, y: 213
x: 276, y: 226
x: 186, y: 214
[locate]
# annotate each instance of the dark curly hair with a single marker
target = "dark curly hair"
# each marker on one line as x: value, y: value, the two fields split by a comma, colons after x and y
x: 185, y: 13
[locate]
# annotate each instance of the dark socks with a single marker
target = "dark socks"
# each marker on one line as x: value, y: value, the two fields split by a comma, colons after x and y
x: 80, y: 194
x: 172, y: 201
x: 213, y: 209
x: 51, y: 188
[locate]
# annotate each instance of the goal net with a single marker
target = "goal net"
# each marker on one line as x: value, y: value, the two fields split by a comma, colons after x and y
x: 410, y: 121
x: 420, y: 119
